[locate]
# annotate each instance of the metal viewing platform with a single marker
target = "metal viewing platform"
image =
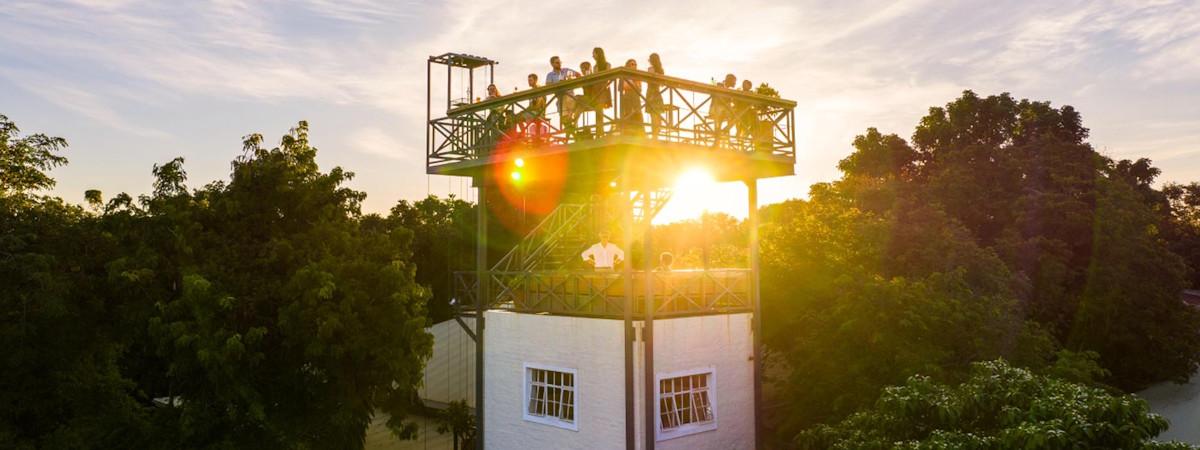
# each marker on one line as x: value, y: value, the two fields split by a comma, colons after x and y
x: 620, y: 118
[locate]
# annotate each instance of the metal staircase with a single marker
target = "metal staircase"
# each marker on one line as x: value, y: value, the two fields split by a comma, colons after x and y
x: 543, y: 239
x: 557, y: 241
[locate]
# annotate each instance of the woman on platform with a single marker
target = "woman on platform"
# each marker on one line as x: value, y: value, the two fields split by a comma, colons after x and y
x: 600, y: 94
x: 631, y: 104
x: 654, y: 100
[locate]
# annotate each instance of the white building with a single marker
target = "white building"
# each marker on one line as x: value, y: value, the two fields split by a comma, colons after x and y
x: 558, y: 382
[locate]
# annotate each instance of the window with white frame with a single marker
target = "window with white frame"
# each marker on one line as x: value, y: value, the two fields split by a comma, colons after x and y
x: 550, y: 396
x: 686, y: 403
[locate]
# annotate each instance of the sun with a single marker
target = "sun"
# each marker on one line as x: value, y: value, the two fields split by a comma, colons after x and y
x: 696, y: 192
x: 694, y: 179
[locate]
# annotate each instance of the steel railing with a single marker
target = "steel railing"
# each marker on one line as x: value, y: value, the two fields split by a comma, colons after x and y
x: 617, y: 102
x: 602, y: 294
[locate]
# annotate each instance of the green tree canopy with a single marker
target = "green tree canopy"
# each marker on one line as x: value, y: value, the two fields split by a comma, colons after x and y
x: 997, y: 407
x: 264, y: 311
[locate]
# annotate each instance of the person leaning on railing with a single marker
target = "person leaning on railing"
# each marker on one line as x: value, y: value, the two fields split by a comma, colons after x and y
x: 498, y: 119
x: 533, y: 119
x: 567, y: 104
x: 721, y: 109
x: 537, y: 105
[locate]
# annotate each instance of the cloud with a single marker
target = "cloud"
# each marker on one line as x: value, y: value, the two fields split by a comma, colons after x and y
x: 376, y: 142
x: 83, y: 102
x: 849, y: 65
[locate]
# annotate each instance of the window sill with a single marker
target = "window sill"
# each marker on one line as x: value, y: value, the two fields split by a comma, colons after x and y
x: 685, y: 430
x: 572, y: 426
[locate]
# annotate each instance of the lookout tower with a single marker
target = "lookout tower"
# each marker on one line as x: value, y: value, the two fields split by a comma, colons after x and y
x: 568, y: 356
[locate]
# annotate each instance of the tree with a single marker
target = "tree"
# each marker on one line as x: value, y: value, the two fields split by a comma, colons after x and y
x: 1019, y: 177
x: 63, y: 387
x: 289, y: 321
x: 262, y: 312
x: 1130, y: 310
x: 1180, y: 225
x: 458, y: 420
x: 857, y: 302
x: 998, y: 407
x: 24, y: 161
x: 715, y: 240
x: 445, y: 242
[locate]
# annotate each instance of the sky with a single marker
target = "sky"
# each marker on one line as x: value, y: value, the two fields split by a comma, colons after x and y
x: 132, y: 83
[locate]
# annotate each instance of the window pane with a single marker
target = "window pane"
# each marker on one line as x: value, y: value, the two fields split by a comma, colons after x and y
x: 684, y: 400
x: 551, y: 394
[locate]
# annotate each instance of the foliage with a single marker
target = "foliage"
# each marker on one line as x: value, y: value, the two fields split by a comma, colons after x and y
x: 999, y: 233
x: 716, y: 238
x: 59, y: 368
x: 293, y: 321
x: 24, y: 161
x: 767, y: 90
x: 261, y: 312
x: 1130, y: 312
x: 855, y: 306
x: 1067, y: 223
x: 998, y: 407
x: 445, y: 231
x: 1180, y: 225
x: 458, y: 420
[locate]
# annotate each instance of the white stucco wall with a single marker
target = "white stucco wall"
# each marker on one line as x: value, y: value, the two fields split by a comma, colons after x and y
x: 595, y: 348
x: 725, y: 343
x: 450, y: 370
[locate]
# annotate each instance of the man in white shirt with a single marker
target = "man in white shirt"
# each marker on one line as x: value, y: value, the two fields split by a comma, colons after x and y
x: 603, y: 255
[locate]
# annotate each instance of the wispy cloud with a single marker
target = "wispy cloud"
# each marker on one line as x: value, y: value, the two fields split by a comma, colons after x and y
x: 850, y: 65
x: 86, y: 103
x: 377, y: 142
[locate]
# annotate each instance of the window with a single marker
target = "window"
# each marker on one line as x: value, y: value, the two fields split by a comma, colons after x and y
x: 550, y: 394
x: 685, y: 403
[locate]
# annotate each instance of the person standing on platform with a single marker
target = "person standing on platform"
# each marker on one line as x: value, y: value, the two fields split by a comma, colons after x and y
x: 566, y: 103
x: 654, y: 99
x: 721, y: 110
x: 745, y: 113
x: 603, y: 255
x: 601, y: 94
x: 559, y: 73
x: 631, y: 104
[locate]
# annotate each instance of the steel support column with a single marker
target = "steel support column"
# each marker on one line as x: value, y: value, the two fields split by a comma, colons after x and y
x: 648, y: 324
x: 752, y: 221
x: 428, y: 107
x: 627, y: 272
x: 481, y: 302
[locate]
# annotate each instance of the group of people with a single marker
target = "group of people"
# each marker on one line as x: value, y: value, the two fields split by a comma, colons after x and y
x: 725, y: 114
